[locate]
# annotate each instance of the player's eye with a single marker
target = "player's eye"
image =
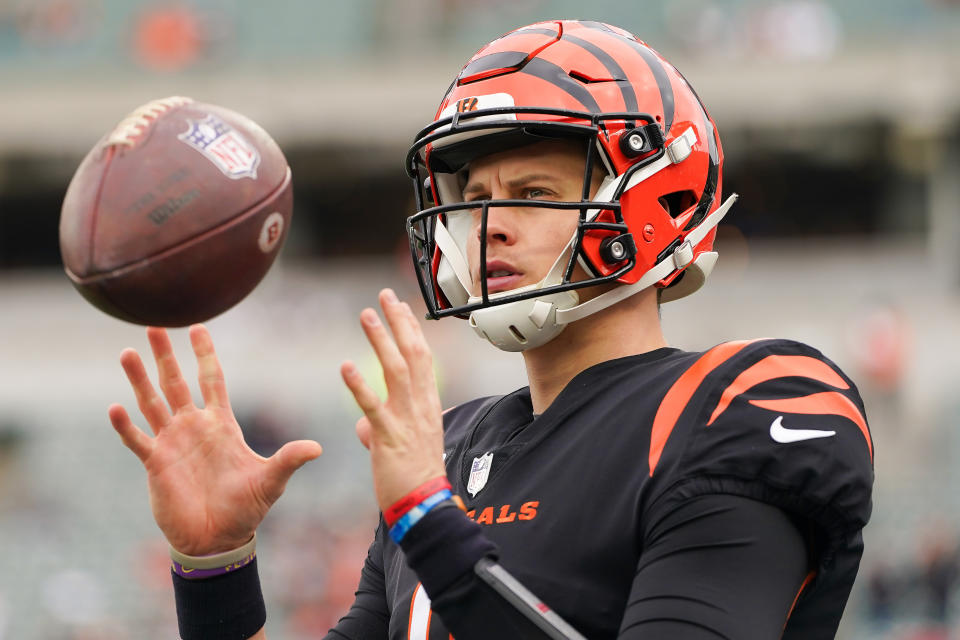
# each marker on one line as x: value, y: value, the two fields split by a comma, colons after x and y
x: 536, y: 193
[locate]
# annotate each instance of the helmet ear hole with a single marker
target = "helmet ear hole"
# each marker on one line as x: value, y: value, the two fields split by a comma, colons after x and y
x: 677, y: 202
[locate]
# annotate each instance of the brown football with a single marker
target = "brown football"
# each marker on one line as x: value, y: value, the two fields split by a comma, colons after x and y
x: 175, y: 215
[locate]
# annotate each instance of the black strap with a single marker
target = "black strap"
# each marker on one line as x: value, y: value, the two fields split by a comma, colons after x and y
x: 226, y: 607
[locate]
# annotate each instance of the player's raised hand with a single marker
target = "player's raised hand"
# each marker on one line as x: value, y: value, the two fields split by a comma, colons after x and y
x: 208, y: 490
x: 404, y: 433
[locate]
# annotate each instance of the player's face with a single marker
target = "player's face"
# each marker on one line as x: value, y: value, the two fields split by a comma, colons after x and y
x: 524, y: 242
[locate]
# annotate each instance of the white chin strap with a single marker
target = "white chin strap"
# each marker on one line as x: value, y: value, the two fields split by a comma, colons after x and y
x: 679, y: 259
x: 527, y: 324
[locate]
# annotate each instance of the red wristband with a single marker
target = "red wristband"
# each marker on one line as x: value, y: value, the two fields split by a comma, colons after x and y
x: 399, y: 508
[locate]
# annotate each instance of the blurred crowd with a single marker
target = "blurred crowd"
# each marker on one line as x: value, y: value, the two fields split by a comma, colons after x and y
x: 173, y: 35
x: 917, y: 598
x: 83, y: 559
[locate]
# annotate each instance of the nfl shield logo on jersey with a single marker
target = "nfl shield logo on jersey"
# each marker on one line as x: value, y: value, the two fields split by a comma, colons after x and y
x: 223, y: 146
x: 479, y: 472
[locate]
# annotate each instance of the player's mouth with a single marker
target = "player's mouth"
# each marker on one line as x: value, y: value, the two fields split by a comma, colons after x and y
x: 502, y: 277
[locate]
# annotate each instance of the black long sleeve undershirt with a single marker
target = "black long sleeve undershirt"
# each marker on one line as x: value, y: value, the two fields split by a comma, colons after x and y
x: 716, y: 566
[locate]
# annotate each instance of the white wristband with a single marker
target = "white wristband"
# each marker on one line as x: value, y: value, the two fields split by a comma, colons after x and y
x: 217, y: 560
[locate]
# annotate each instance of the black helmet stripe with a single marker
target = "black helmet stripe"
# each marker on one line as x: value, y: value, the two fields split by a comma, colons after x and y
x: 713, y: 171
x: 509, y: 61
x: 540, y: 68
x: 616, y: 71
x: 666, y: 97
x: 663, y: 81
x: 656, y: 67
x: 514, y: 61
x: 709, y: 191
x: 712, y: 142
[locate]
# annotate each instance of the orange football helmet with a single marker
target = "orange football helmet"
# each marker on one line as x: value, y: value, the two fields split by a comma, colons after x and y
x: 653, y: 220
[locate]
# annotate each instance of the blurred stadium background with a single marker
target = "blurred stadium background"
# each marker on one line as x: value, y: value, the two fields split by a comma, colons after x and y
x: 841, y: 126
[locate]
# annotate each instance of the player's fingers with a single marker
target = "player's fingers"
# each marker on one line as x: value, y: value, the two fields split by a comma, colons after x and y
x: 396, y: 372
x: 172, y: 384
x: 136, y: 440
x: 413, y: 347
x: 151, y: 405
x: 210, y: 374
x: 282, y: 465
x: 367, y: 399
x: 416, y: 328
x: 421, y: 357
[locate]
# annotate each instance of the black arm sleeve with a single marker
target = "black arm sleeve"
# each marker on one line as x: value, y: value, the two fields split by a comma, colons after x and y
x: 442, y: 549
x: 231, y: 606
x: 717, y: 566
x: 368, y: 617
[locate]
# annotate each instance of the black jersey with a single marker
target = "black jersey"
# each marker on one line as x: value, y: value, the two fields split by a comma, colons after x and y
x: 571, y: 497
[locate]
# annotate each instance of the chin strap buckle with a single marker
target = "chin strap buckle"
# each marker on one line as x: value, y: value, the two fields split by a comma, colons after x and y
x: 540, y: 313
x: 683, y: 255
x: 681, y: 147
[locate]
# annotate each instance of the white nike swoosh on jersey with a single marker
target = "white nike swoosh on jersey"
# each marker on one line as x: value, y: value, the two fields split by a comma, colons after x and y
x: 781, y: 434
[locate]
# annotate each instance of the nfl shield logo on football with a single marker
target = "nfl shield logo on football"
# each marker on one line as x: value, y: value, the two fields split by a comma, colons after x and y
x: 479, y: 472
x: 223, y: 146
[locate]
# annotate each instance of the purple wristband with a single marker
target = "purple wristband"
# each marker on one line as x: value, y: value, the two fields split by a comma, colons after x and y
x: 198, y: 574
x: 217, y: 564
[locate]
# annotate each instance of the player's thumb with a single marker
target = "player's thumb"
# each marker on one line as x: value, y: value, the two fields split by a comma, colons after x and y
x: 282, y: 464
x: 364, y: 431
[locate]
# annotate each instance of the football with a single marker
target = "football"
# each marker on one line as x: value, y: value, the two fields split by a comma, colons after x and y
x: 175, y: 215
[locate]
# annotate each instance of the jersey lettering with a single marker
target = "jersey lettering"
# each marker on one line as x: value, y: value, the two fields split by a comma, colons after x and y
x: 505, y: 514
x: 528, y: 510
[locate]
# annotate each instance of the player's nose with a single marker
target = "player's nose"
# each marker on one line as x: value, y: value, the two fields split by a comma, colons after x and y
x: 501, y: 225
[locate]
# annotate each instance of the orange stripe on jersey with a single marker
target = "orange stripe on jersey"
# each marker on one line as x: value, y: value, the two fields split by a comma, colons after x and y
x: 676, y: 399
x: 806, y: 583
x: 773, y: 367
x: 418, y: 624
x: 824, y: 403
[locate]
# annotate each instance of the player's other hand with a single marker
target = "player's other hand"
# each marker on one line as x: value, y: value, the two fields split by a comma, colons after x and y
x: 404, y: 433
x: 208, y: 490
